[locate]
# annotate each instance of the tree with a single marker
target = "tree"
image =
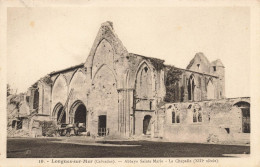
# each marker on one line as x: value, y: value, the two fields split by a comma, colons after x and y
x: 173, y: 75
x: 8, y: 90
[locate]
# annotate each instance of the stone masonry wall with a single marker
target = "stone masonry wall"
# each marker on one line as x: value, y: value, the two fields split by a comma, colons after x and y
x: 220, y: 118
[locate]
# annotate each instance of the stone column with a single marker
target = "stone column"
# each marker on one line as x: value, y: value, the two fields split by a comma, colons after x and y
x: 67, y: 114
x: 71, y: 118
x: 125, y: 109
x: 121, y: 111
x: 129, y: 112
x: 152, y: 125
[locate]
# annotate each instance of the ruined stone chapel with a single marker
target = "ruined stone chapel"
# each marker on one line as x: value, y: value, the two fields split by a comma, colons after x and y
x: 127, y: 94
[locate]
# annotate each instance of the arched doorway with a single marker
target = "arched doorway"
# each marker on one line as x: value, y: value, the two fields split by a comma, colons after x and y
x: 191, y: 87
x: 63, y: 119
x: 81, y: 114
x: 78, y: 114
x: 245, y: 112
x: 147, y: 125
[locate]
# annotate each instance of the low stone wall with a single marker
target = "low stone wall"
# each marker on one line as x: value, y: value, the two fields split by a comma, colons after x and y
x: 206, y: 121
x: 196, y: 133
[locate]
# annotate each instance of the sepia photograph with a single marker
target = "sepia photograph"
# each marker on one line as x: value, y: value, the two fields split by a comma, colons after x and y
x: 113, y: 82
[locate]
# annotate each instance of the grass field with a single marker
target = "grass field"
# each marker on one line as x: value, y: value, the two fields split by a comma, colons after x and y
x: 56, y: 148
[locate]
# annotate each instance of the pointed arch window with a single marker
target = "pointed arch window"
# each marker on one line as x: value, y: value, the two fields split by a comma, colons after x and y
x: 197, y: 115
x: 36, y: 99
x: 191, y: 87
x: 175, y: 117
x: 144, y: 82
x: 210, y: 90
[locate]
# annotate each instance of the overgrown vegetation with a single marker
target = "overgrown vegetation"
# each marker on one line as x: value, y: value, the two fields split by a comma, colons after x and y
x: 157, y: 63
x: 46, y: 79
x: 13, y: 104
x: 8, y: 89
x: 173, y: 75
x: 48, y: 128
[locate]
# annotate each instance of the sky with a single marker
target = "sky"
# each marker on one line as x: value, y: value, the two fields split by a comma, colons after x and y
x: 42, y: 40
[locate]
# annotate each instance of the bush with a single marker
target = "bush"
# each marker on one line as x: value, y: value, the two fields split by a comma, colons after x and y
x: 48, y: 128
x: 212, y: 138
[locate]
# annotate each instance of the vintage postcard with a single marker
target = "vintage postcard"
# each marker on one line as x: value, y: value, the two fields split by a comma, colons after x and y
x: 158, y: 83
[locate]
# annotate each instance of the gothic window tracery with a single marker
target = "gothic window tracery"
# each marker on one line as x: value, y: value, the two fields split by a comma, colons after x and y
x: 197, y: 114
x: 175, y: 115
x: 144, y: 83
